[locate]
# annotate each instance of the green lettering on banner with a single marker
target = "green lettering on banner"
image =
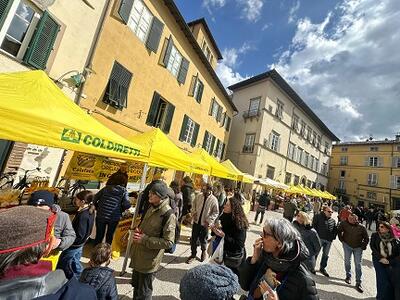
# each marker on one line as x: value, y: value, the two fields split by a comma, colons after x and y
x: 120, y: 148
x: 110, y: 145
x: 126, y: 149
x: 96, y: 142
x: 87, y: 140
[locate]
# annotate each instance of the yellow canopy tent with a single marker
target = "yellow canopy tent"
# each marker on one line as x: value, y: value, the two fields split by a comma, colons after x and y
x: 318, y: 193
x: 234, y: 170
x: 217, y: 169
x: 34, y: 110
x: 329, y: 195
x: 249, y: 178
x: 164, y: 153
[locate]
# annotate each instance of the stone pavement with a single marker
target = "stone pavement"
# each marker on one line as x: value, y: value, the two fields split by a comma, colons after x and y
x: 166, y: 284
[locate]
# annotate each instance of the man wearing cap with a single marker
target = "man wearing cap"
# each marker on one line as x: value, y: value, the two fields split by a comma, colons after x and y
x: 63, y: 230
x: 205, y: 212
x: 25, y: 237
x: 155, y: 233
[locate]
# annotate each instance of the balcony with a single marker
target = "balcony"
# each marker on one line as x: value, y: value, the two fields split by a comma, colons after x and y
x: 253, y: 113
x: 248, y: 149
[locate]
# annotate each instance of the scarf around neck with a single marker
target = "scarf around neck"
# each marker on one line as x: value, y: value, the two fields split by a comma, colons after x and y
x: 385, y: 245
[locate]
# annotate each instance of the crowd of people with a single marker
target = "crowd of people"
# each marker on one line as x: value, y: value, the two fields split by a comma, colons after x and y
x: 281, y: 265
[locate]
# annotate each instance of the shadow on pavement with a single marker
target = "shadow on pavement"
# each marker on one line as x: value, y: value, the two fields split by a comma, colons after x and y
x: 333, y: 280
x: 171, y: 259
x: 324, y: 295
x: 165, y: 298
x: 171, y: 275
x: 367, y: 263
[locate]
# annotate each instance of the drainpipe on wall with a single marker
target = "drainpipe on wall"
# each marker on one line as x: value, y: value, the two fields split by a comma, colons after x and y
x: 391, y: 173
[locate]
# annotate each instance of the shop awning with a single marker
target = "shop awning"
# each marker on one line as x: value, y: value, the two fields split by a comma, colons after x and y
x: 34, y: 110
x: 217, y: 169
x: 234, y: 170
x: 165, y: 154
x: 272, y: 183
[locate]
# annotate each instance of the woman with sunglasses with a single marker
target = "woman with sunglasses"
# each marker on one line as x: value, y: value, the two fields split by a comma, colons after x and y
x: 274, y: 271
x: 385, y: 254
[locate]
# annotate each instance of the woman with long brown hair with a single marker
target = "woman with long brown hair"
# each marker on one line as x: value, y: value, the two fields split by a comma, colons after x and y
x: 234, y: 225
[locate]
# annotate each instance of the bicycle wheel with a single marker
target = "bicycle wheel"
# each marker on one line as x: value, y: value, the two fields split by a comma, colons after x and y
x: 6, y: 182
x: 76, y: 188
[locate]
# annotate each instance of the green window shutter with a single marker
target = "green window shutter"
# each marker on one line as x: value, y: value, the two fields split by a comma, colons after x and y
x: 195, y: 134
x: 124, y: 83
x: 183, y: 128
x: 216, y: 148
x: 153, y: 40
x: 219, y: 114
x: 211, y: 107
x: 223, y: 119
x: 42, y: 42
x: 118, y: 85
x: 212, y: 145
x: 4, y: 9
x: 168, y: 118
x: 228, y: 123
x: 222, y: 151
x: 152, y: 115
x: 193, y: 85
x: 205, y: 139
x: 125, y: 9
x: 200, y: 93
x: 168, y: 51
x: 183, y: 71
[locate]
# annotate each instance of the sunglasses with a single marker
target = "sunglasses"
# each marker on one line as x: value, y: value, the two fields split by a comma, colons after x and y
x: 329, y: 211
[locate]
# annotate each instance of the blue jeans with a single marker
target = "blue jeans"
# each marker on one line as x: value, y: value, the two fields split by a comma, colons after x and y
x: 70, y: 262
x: 357, y: 252
x: 326, y: 247
x: 384, y: 288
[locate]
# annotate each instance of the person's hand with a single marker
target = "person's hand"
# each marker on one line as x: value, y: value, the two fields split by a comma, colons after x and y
x: 384, y: 261
x: 138, y: 236
x: 218, y: 232
x: 257, y: 248
x: 57, y: 243
x: 267, y: 292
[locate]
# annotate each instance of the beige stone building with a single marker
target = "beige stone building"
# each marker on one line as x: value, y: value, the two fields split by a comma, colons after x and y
x: 56, y: 36
x: 155, y: 70
x: 276, y: 135
x: 367, y: 173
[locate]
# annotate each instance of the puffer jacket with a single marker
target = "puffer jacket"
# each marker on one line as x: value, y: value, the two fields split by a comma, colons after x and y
x: 296, y: 281
x: 102, y: 280
x: 310, y: 237
x: 63, y: 229
x: 325, y: 227
x: 187, y: 190
x: 111, y: 201
x: 146, y: 256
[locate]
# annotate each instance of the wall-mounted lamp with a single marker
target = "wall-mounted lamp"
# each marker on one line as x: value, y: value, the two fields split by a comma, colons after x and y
x: 77, y: 79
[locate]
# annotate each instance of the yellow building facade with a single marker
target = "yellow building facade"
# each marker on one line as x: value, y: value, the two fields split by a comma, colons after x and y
x: 367, y: 173
x: 152, y: 69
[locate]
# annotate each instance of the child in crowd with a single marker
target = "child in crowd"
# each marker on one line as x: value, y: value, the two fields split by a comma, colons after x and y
x: 98, y: 275
x: 82, y: 223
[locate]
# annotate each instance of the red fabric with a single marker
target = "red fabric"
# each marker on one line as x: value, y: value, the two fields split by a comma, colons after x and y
x: 396, y: 231
x: 32, y: 270
x: 344, y: 214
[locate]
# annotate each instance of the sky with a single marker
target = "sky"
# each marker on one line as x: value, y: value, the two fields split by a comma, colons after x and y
x: 341, y: 56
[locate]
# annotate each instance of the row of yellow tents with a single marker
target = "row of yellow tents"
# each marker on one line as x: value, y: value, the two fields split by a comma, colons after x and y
x: 299, y: 189
x: 34, y: 110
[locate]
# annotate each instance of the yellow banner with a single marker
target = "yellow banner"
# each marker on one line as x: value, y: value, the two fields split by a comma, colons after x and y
x: 93, y: 167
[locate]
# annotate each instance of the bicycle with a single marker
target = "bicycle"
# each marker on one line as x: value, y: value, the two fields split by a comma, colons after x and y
x: 68, y: 192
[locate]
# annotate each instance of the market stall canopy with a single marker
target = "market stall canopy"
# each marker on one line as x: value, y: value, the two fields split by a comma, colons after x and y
x: 272, y: 183
x: 297, y: 189
x: 319, y: 193
x: 217, y: 169
x: 234, y: 170
x: 329, y: 195
x: 164, y: 153
x: 34, y: 110
x: 247, y: 178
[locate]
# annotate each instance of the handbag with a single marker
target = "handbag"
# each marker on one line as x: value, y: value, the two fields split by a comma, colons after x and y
x: 233, y: 260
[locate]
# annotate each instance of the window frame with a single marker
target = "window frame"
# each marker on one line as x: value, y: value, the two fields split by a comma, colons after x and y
x: 138, y: 26
x: 273, y: 171
x: 343, y: 160
x: 288, y: 175
x: 373, y: 161
x: 173, y: 63
x: 189, y: 130
x: 295, y: 122
x: 275, y: 141
x: 279, y: 109
x: 372, y: 179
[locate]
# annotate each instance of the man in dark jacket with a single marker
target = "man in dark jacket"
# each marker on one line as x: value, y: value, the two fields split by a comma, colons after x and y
x: 326, y: 228
x: 289, y: 209
x: 144, y: 203
x: 354, y: 237
x: 187, y: 192
x: 23, y: 275
x: 63, y: 230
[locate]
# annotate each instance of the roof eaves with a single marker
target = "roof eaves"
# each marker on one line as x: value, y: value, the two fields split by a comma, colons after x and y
x: 185, y: 28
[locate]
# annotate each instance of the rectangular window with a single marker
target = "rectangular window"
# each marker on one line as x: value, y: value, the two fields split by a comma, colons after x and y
x: 116, y: 94
x: 174, y: 61
x: 296, y: 180
x: 327, y: 148
x: 344, y: 149
x: 215, y: 110
x: 372, y: 179
x: 295, y: 122
x: 249, y: 143
x: 314, y: 138
x: 299, y: 155
x: 305, y: 159
x: 274, y: 141
x: 374, y: 148
x: 371, y: 195
x: 291, y: 151
x: 288, y: 178
x: 309, y: 133
x: 319, y: 141
x: 303, y: 129
x: 219, y: 149
x: 311, y: 162
x: 189, y: 131
x: 397, y: 182
x: 373, y: 161
x: 270, y: 172
x: 140, y: 20
x: 316, y: 165
x: 198, y: 90
x: 227, y: 123
x: 396, y: 162
x: 279, y: 109
x: 343, y: 160
x: 342, y: 173
x: 341, y: 185
x: 254, y: 106
x: 208, y: 142
x: 324, y: 169
x: 308, y: 183
x: 160, y: 113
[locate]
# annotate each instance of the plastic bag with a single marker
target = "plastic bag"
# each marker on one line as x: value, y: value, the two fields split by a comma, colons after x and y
x: 218, y: 255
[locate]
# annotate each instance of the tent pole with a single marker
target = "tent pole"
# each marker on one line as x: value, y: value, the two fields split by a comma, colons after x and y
x: 130, y: 235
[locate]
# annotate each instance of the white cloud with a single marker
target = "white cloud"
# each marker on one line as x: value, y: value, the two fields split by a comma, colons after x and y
x: 292, y: 12
x: 251, y: 9
x: 227, y: 75
x: 347, y: 68
x: 265, y: 27
x: 209, y: 4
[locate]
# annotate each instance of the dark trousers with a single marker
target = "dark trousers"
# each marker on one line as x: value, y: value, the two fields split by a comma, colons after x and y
x: 199, y: 233
x: 101, y: 230
x: 326, y: 247
x: 262, y: 216
x: 143, y: 285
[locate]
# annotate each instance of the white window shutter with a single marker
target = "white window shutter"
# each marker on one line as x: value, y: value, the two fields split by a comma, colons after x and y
x: 366, y: 161
x: 376, y: 179
x: 270, y: 140
x: 279, y: 144
x: 380, y: 161
x: 393, y: 181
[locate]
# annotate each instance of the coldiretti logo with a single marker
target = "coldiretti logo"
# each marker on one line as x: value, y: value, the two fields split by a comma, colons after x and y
x: 76, y: 137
